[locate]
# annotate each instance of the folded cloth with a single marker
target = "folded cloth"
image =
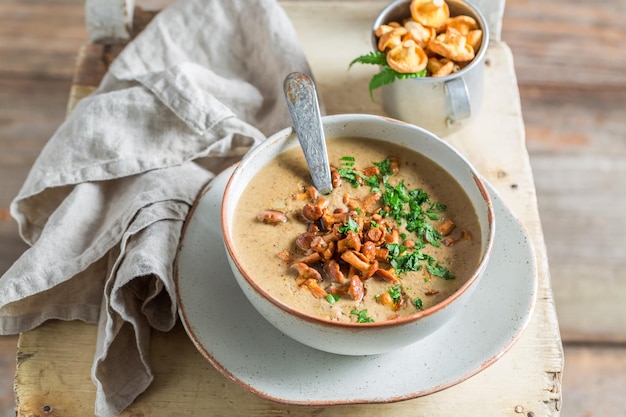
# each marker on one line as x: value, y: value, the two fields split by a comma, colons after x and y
x: 104, y: 204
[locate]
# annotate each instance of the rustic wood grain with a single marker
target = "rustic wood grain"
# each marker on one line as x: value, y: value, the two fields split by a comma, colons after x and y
x: 29, y: 113
x: 570, y: 64
x: 579, y: 160
x: 567, y: 43
x: 39, y: 39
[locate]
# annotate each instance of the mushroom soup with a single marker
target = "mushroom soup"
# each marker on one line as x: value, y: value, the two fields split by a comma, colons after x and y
x: 397, y: 234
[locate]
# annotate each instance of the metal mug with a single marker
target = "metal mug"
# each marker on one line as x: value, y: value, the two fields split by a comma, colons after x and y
x: 441, y: 105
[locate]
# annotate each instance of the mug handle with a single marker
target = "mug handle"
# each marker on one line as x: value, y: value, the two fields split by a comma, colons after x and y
x: 458, y: 99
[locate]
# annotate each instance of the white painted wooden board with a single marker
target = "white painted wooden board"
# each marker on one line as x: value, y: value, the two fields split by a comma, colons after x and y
x: 109, y: 21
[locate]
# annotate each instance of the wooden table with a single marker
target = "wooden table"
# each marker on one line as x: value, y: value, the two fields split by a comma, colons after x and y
x: 54, y: 360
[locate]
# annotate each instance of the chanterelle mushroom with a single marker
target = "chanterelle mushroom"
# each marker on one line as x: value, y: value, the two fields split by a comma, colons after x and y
x: 475, y: 38
x: 391, y: 38
x: 452, y: 45
x: 462, y: 23
x: 305, y: 272
x: 431, y: 13
x: 441, y: 67
x: 419, y: 33
x: 407, y: 58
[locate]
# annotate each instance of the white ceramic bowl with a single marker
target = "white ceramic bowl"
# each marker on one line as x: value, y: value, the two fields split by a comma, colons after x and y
x: 360, y: 338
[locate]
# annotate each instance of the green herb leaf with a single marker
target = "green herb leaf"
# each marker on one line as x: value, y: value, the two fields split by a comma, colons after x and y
x: 332, y: 298
x: 371, y: 181
x: 347, y: 161
x: 348, y: 172
x: 387, y: 75
x: 404, y: 76
x: 350, y: 225
x: 439, y: 271
x: 396, y: 293
x: 417, y: 302
x: 350, y: 175
x: 384, y: 77
x: 395, y: 249
x: 362, y: 316
x: 385, y: 167
x: 373, y: 58
x: 408, y: 262
x: 430, y: 234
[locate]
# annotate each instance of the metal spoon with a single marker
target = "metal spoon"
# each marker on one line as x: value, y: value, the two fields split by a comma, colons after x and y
x: 307, y: 122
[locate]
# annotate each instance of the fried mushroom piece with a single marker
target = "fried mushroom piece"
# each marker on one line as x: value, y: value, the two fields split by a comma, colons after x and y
x: 314, y: 286
x: 333, y: 270
x: 359, y: 262
x: 272, y: 217
x: 356, y: 288
x: 446, y: 227
x: 305, y: 272
x: 407, y: 58
x: 431, y: 13
x: 314, y: 211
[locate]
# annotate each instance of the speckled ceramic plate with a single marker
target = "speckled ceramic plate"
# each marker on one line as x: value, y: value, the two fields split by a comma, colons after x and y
x: 247, y: 349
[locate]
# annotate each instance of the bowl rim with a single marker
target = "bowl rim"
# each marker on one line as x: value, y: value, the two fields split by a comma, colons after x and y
x: 284, y: 135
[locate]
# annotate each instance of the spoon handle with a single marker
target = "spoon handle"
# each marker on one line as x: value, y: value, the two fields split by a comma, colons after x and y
x: 307, y: 122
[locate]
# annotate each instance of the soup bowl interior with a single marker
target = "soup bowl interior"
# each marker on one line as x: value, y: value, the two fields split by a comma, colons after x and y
x: 351, y: 338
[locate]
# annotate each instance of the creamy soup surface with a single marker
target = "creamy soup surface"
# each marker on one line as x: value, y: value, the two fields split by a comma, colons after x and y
x: 408, y: 273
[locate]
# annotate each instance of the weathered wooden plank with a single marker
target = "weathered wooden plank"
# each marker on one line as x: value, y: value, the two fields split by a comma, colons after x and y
x: 30, y: 112
x: 574, y: 119
x: 595, y: 380
x: 40, y: 39
x: 8, y: 346
x: 586, y: 247
x: 574, y: 43
x: 575, y: 137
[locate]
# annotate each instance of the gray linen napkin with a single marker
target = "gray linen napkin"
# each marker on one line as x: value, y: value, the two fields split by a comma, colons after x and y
x: 104, y: 204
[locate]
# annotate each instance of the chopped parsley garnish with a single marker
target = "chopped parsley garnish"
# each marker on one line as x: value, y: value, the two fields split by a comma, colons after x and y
x: 426, y: 230
x: 411, y: 208
x: 385, y: 167
x: 434, y: 268
x: 347, y: 161
x: 407, y: 262
x: 418, y: 303
x: 361, y: 316
x: 352, y: 176
x: 350, y: 225
x: 406, y: 205
x: 396, y: 293
x: 333, y: 298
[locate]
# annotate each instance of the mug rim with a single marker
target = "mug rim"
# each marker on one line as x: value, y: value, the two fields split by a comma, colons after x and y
x: 478, y: 58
